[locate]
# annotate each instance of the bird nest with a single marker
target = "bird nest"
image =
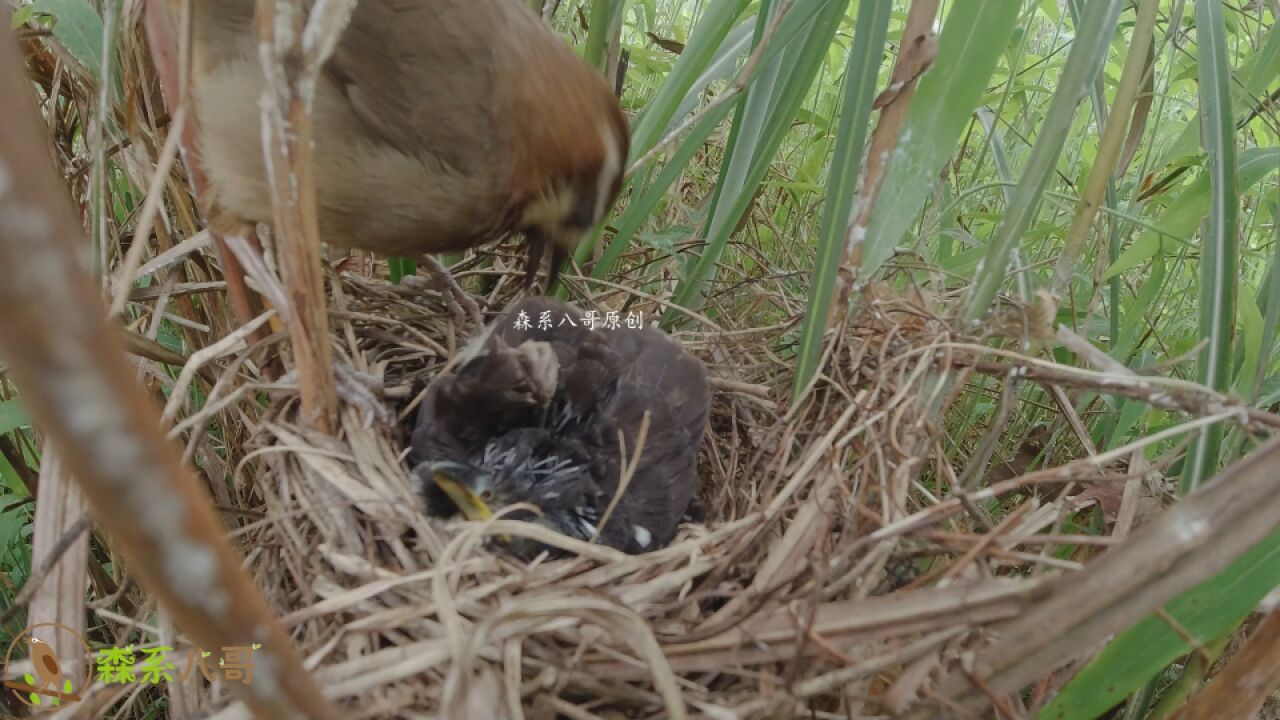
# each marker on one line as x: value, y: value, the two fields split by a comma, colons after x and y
x: 796, y: 588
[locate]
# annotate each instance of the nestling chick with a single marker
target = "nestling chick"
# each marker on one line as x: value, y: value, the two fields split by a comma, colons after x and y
x: 532, y: 413
x: 439, y: 125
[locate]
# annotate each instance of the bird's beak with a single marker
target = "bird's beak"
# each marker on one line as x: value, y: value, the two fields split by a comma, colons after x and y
x: 560, y: 253
x: 456, y: 479
x: 562, y: 248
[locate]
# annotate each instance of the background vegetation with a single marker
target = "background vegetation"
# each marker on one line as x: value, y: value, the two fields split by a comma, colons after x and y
x: 1101, y: 166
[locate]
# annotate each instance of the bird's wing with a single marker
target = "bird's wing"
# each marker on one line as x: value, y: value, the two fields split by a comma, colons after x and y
x: 663, y: 380
x: 400, y: 62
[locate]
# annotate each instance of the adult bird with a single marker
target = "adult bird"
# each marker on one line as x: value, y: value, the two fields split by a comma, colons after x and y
x: 439, y: 125
x: 45, y: 662
x: 542, y: 409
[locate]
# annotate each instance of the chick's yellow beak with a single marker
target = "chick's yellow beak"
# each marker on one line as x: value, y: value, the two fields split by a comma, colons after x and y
x: 467, y: 500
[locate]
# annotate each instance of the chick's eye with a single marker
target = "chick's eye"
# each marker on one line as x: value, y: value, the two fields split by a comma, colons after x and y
x: 486, y: 495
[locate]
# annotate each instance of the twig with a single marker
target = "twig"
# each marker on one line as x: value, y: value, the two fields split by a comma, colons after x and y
x: 292, y: 56
x: 628, y: 471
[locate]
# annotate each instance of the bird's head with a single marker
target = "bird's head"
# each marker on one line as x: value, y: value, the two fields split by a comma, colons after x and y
x: 578, y: 159
x: 521, y: 467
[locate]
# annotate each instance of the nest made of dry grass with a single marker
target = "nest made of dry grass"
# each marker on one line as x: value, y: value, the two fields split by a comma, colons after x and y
x: 773, y: 602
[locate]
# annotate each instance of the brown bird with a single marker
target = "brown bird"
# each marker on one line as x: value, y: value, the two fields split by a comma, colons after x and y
x: 544, y: 412
x: 48, y: 671
x: 439, y: 125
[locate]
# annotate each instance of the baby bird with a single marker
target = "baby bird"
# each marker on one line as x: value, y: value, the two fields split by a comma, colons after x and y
x: 541, y: 411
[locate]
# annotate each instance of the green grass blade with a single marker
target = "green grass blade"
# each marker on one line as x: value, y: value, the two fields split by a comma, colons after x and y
x: 861, y: 74
x: 973, y: 38
x: 1136, y: 655
x: 717, y: 48
x: 401, y: 267
x: 1101, y: 182
x: 764, y: 118
x: 1269, y: 306
x: 689, y: 75
x: 1218, y: 245
x: 13, y: 415
x: 704, y: 42
x: 78, y: 26
x: 1255, y: 75
x: 723, y: 67
x: 604, y: 14
x: 643, y: 206
x: 1088, y: 51
x: 1182, y: 217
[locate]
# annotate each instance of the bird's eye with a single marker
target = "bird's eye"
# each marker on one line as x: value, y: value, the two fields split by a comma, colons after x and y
x: 486, y: 495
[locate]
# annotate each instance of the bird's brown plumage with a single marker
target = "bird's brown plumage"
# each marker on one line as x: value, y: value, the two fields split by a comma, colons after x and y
x: 562, y: 397
x: 439, y: 125
x: 48, y: 671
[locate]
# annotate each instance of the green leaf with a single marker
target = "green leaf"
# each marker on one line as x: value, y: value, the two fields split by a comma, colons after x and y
x: 1136, y: 314
x: 1207, y: 611
x: 1088, y: 51
x: 1147, y: 246
x: 641, y: 208
x: 858, y: 91
x: 21, y: 17
x: 764, y: 116
x: 1218, y: 251
x: 666, y: 238
x: 1269, y: 305
x: 974, y: 36
x: 401, y: 267
x: 1256, y: 74
x: 13, y: 415
x: 704, y: 41
x: 78, y: 26
x: 1183, y: 215
x: 1251, y: 334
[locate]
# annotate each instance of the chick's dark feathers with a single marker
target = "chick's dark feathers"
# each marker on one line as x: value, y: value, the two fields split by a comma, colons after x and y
x: 572, y: 398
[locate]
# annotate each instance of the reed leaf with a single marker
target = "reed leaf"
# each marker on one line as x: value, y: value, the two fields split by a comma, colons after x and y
x: 1218, y: 250
x: 1088, y: 51
x: 857, y: 93
x: 973, y: 37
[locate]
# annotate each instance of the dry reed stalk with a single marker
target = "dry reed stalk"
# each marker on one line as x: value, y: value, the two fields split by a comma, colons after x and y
x: 917, y: 54
x: 80, y: 388
x: 295, y: 44
x: 59, y: 597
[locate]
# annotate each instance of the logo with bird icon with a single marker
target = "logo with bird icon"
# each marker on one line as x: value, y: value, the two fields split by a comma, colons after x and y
x: 41, y: 681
